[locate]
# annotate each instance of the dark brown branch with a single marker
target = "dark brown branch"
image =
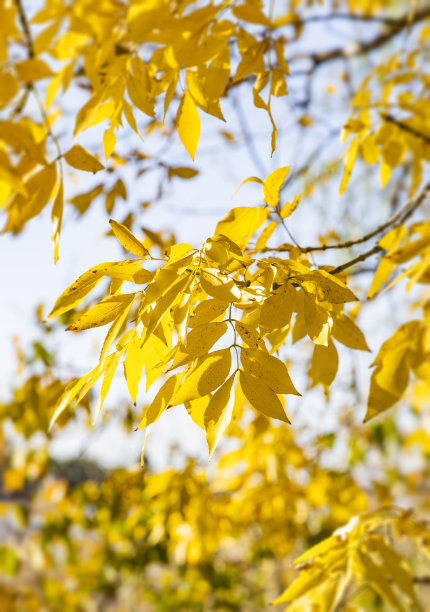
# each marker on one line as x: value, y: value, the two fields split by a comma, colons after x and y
x: 401, y: 216
x: 405, y: 127
x: 30, y: 86
x: 25, y: 28
x: 356, y: 260
x: 361, y: 48
x: 398, y: 218
x: 353, y: 50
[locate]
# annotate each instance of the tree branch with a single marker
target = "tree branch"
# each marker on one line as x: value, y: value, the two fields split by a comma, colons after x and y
x: 361, y: 48
x: 352, y: 262
x: 396, y: 219
x: 30, y: 86
x: 26, y: 28
x: 405, y: 126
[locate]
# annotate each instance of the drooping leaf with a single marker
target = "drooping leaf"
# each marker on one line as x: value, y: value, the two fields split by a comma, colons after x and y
x: 188, y: 124
x: 80, y: 159
x: 206, y: 376
x: 262, y: 397
x: 102, y: 313
x: 127, y: 239
x: 218, y: 413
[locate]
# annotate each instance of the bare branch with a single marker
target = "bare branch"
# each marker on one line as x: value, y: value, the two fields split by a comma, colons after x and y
x: 397, y: 218
x: 360, y: 48
x: 352, y: 262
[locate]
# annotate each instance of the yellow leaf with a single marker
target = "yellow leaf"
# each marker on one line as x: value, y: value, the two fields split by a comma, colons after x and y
x: 276, y: 311
x: 270, y: 369
x: 161, y: 401
x: 78, y: 290
x: 265, y: 235
x: 164, y: 278
x: 21, y: 139
x: 102, y: 313
x: 218, y: 413
x: 109, y: 141
x: 206, y: 376
x: 219, y: 286
x: 56, y: 217
x: 197, y: 408
x: 114, y: 330
x: 272, y: 185
x: 347, y: 332
x: 165, y: 302
x: 318, y: 321
x: 22, y: 208
x: 107, y: 381
x: 381, y: 276
x: 94, y: 112
x: 251, y: 13
x: 218, y: 74
x: 178, y: 251
x: 394, y: 564
x: 248, y: 334
x: 350, y: 157
x: 379, y: 399
x: 188, y: 124
x: 278, y: 85
x: 288, y: 208
x: 127, y: 239
x: 33, y: 70
x: 199, y: 341
x: 80, y: 159
x: 250, y: 179
x: 155, y: 352
x: 197, y: 89
x: 133, y: 365
x: 71, y: 391
x: 280, y: 56
x: 375, y: 575
x: 8, y: 88
x: 206, y: 311
x: 262, y: 397
x: 181, y: 313
x: 252, y: 61
x: 241, y: 223
x: 325, y: 362
x: 305, y: 582
x: 83, y: 201
x: 139, y: 86
x: 390, y: 378
x: 326, y: 287
x: 183, y: 172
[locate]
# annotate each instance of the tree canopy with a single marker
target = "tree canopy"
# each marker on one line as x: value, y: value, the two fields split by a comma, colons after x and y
x: 263, y: 329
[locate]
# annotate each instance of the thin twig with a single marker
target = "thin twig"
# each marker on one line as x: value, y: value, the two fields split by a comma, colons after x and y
x: 352, y: 262
x: 355, y: 49
x: 349, y: 17
x: 248, y: 139
x: 30, y: 86
x: 362, y: 48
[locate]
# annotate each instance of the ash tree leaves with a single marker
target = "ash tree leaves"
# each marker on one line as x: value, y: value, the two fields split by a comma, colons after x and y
x: 360, y: 555
x: 80, y: 159
x: 230, y: 295
x: 205, y: 324
x: 404, y: 352
x: 210, y: 324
